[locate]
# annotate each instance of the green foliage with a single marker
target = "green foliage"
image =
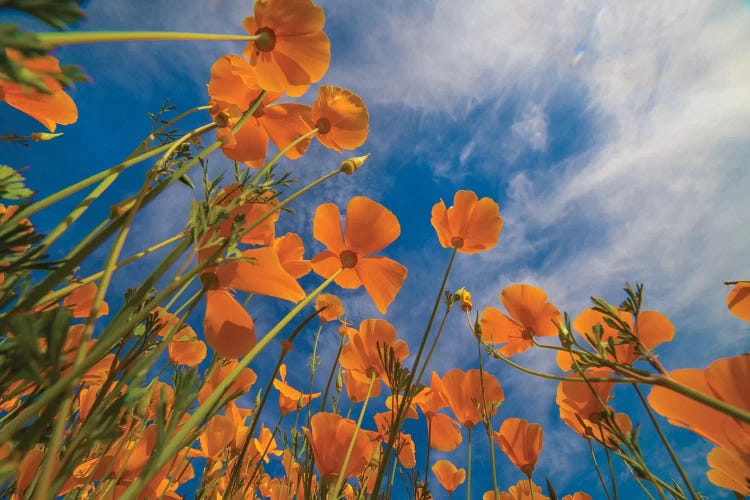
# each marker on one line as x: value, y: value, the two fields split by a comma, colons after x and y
x: 55, y: 13
x: 12, y: 186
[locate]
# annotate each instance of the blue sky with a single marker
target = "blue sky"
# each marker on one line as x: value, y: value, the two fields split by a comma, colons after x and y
x: 614, y: 136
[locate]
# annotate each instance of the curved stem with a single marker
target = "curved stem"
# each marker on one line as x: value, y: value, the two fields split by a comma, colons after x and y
x: 468, y: 470
x: 334, y: 493
x: 55, y: 39
x: 330, y: 375
x: 313, y: 364
x: 598, y: 470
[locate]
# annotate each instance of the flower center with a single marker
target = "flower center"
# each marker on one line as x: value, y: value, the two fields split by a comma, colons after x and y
x: 323, y: 126
x: 266, y: 40
x: 457, y: 242
x: 260, y: 111
x: 209, y: 281
x: 528, y: 333
x: 348, y: 259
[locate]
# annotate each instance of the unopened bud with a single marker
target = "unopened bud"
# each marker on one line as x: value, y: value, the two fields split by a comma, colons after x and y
x: 464, y: 297
x: 256, y: 403
x: 352, y: 164
x: 339, y: 382
x: 44, y: 136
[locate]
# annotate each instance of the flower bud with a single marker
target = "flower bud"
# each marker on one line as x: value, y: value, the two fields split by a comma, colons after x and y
x: 352, y: 164
x: 44, y: 136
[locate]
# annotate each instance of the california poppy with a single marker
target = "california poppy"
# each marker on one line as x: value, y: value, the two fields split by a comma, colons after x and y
x: 341, y: 118
x: 463, y: 392
x: 578, y: 495
x: 521, y: 491
x: 356, y: 391
x: 445, y: 433
x: 448, y: 475
x: 330, y: 307
x: 290, y: 399
x: 81, y: 300
x: 530, y: 316
x: 721, y: 380
x: 362, y: 356
x: 185, y: 348
x: 470, y: 225
x: 738, y: 300
x: 291, y: 252
x: 521, y: 442
x: 291, y: 50
x: 329, y: 434
x: 370, y: 227
x: 228, y: 328
x: 49, y: 109
x: 241, y: 384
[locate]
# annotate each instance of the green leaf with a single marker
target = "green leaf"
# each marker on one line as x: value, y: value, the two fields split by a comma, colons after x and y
x: 12, y: 185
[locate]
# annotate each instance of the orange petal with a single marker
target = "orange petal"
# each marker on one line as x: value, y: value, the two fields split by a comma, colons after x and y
x: 327, y: 228
x: 287, y: 122
x: 327, y: 263
x: 445, y: 434
x: 217, y: 435
x: 330, y: 307
x: 228, y: 328
x: 291, y: 252
x: 738, y: 301
x: 382, y: 278
x: 449, y: 477
x: 653, y: 328
x: 730, y: 470
x: 80, y: 301
x: 440, y: 222
x: 49, y: 109
x: 251, y: 144
x: 186, y: 349
x: 526, y: 305
x: 343, y: 117
x: 233, y: 81
x: 370, y: 227
x: 260, y: 272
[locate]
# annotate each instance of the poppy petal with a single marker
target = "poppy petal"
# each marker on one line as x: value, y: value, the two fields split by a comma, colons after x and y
x: 327, y: 228
x: 382, y: 278
x: 370, y: 227
x: 229, y: 329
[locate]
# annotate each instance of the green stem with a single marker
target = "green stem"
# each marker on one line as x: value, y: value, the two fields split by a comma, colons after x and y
x: 330, y: 375
x: 434, y: 344
x: 609, y: 463
x: 334, y: 493
x: 664, y: 440
x: 468, y: 470
x: 427, y: 460
x: 203, y: 411
x: 488, y: 424
x: 275, y: 158
x: 55, y: 39
x: 313, y: 365
x: 155, y: 132
x: 598, y: 470
x: 640, y: 483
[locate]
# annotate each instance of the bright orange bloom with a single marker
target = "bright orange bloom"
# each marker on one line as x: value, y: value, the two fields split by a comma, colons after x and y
x: 521, y: 491
x: 229, y: 329
x: 330, y: 307
x: 651, y: 328
x: 730, y: 470
x: 578, y: 495
x: 449, y: 477
x: 738, y: 300
x: 356, y: 391
x: 362, y: 356
x: 49, y: 109
x: 530, y: 316
x: 722, y: 380
x: 241, y: 384
x: 290, y: 399
x: 215, y: 438
x: 470, y: 225
x: 370, y: 227
x: 265, y: 445
x: 292, y: 51
x: 445, y: 433
x: 341, y: 118
x: 185, y: 348
x: 80, y: 301
x: 329, y: 435
x: 259, y: 271
x: 291, y: 252
x: 463, y: 392
x: 233, y: 88
x: 464, y: 299
x: 521, y: 441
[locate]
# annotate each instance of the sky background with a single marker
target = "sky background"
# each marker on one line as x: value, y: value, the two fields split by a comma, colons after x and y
x: 613, y: 135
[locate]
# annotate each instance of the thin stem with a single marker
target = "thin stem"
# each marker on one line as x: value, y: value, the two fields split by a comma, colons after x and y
x: 664, y: 440
x: 609, y: 463
x: 488, y: 423
x: 640, y: 483
x: 330, y: 375
x: 144, y: 144
x: 55, y: 39
x: 427, y: 460
x: 468, y: 470
x: 598, y: 470
x: 531, y: 489
x: 334, y: 493
x: 313, y: 365
x: 275, y: 158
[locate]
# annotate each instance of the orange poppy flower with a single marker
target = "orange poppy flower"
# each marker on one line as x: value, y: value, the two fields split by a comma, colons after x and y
x: 445, y: 433
x: 290, y: 399
x: 577, y: 397
x: 721, y: 380
x: 521, y: 491
x: 362, y: 356
x: 470, y: 225
x: 356, y: 391
x: 521, y: 441
x: 292, y: 51
x: 738, y: 300
x: 228, y: 328
x: 341, y: 118
x: 651, y: 328
x: 530, y: 316
x: 330, y: 307
x: 730, y: 470
x: 215, y: 438
x: 370, y: 227
x: 81, y: 299
x: 463, y: 392
x: 233, y: 88
x: 329, y: 435
x: 449, y: 477
x: 185, y: 348
x: 578, y: 495
x: 291, y: 252
x: 241, y: 384
x: 49, y: 109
